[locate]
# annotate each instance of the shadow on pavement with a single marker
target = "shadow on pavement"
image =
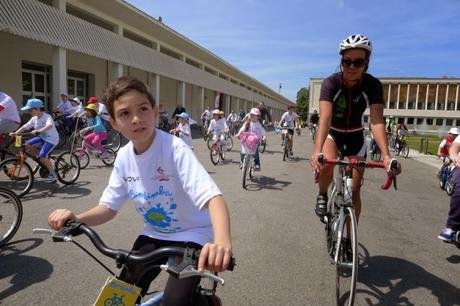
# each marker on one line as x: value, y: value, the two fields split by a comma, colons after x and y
x: 42, y: 189
x: 454, y: 259
x: 389, y: 278
x: 266, y: 182
x: 23, y: 270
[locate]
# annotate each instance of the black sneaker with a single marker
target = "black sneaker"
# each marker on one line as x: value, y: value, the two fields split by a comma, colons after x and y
x: 321, y: 205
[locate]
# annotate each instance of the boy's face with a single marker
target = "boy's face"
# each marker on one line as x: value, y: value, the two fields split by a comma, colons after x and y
x: 135, y: 118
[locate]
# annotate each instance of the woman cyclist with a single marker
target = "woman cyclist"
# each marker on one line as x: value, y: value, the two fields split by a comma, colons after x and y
x: 343, y: 100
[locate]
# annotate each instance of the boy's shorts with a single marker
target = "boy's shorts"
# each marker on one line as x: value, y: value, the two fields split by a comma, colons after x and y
x: 38, y: 142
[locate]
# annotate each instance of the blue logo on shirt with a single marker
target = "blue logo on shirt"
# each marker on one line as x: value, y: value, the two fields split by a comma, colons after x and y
x: 161, y: 218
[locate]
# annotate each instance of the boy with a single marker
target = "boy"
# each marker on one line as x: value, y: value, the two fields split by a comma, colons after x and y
x: 47, y: 135
x: 183, y: 129
x: 178, y: 201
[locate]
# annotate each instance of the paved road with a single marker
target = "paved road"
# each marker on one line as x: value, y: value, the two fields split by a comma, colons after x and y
x: 278, y: 241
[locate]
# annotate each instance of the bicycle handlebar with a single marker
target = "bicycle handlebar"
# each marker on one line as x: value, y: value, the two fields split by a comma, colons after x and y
x: 353, y: 163
x: 73, y: 228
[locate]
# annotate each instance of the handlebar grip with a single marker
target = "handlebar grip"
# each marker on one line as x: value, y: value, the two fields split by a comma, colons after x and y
x: 388, y: 182
x: 232, y: 264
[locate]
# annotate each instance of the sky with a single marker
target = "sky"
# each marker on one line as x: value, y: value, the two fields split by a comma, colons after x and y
x: 291, y: 41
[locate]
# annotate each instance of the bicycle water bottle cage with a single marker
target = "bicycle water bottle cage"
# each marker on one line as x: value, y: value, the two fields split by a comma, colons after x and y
x: 71, y: 228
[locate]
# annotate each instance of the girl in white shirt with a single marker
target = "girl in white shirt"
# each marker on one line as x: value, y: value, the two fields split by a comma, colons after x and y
x: 253, y: 125
x: 183, y: 129
x: 218, y: 125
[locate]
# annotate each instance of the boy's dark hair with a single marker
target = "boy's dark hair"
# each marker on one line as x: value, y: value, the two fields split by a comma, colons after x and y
x: 122, y: 86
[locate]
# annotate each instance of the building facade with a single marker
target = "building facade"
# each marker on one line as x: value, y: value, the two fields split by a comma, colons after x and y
x: 80, y: 46
x: 421, y: 103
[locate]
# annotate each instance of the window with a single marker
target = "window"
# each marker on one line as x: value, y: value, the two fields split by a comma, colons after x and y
x: 402, y: 105
x: 411, y: 105
x: 419, y: 120
x: 449, y: 122
x: 36, y: 83
x: 392, y: 105
x: 410, y: 120
x: 429, y: 121
x: 439, y: 122
x: 430, y: 105
x: 77, y: 85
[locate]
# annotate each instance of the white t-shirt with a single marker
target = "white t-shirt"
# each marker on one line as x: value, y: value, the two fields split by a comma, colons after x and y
x: 65, y: 107
x: 289, y: 119
x: 218, y: 126
x: 10, y: 109
x: 36, y: 123
x: 186, y: 138
x: 103, y: 112
x: 169, y: 188
x: 254, y: 127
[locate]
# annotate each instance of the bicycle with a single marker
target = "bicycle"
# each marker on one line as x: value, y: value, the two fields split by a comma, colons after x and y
x: 287, y: 139
x: 187, y: 268
x: 313, y: 131
x: 446, y: 181
x: 228, y: 142
x: 85, y: 150
x: 262, y: 146
x: 10, y: 215
x: 250, y: 147
x: 216, y: 150
x: 17, y: 175
x: 340, y: 217
x: 401, y: 147
x: 376, y: 154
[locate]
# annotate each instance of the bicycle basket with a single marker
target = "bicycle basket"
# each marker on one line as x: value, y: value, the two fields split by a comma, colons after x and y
x: 250, y: 141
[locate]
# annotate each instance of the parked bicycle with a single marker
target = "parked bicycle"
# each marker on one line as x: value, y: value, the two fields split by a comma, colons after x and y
x: 85, y: 150
x: 249, y: 141
x: 17, y: 174
x: 341, y: 217
x: 109, y: 294
x: 10, y: 215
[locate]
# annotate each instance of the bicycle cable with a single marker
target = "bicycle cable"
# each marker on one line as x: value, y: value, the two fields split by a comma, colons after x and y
x: 94, y: 257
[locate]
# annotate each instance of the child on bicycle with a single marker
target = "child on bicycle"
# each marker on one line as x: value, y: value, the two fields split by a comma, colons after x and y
x: 218, y: 124
x: 46, y: 135
x: 99, y: 132
x: 183, y: 129
x: 177, y: 200
x: 252, y: 125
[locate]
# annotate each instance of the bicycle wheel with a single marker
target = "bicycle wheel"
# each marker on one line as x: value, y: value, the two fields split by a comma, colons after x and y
x: 67, y: 167
x: 110, y: 157
x: 245, y: 170
x: 405, y: 150
x: 229, y: 143
x: 285, y: 151
x: 113, y: 140
x: 450, y: 185
x: 10, y: 215
x: 262, y: 146
x: 209, y: 143
x: 215, y: 154
x: 16, y: 176
x: 83, y: 157
x: 75, y: 141
x: 347, y: 267
x: 251, y: 168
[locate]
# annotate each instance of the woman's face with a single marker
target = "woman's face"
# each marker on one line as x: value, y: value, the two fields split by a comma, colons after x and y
x: 353, y: 64
x: 254, y: 118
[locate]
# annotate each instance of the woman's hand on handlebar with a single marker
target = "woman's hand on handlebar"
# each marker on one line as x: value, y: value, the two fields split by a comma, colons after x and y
x: 316, y: 166
x: 214, y: 257
x: 59, y: 217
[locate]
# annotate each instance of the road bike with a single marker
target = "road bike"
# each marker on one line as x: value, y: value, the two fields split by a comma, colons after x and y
x: 10, y: 215
x: 216, y: 149
x: 341, y: 218
x: 250, y: 147
x: 285, y: 143
x: 85, y: 150
x: 204, y: 296
x: 17, y: 174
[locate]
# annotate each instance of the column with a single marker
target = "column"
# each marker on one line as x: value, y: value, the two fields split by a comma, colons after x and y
x: 202, y: 98
x: 59, y: 76
x: 181, y: 93
x: 426, y: 98
x: 117, y: 68
x: 407, y: 96
x: 447, y: 95
x: 397, y: 99
x: 154, y: 86
x: 436, y: 97
x: 456, y: 97
x: 389, y: 94
x: 417, y: 95
x: 237, y: 105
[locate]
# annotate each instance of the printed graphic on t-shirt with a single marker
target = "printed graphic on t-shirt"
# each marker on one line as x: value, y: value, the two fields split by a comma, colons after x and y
x: 340, y: 106
x: 158, y: 209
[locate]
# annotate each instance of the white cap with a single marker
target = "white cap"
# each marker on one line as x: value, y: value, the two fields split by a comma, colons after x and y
x: 255, y: 111
x: 453, y: 130
x: 76, y: 100
x: 216, y: 112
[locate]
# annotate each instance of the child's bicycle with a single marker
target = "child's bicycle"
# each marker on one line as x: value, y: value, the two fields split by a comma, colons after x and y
x: 10, y: 215
x: 446, y: 181
x: 228, y: 140
x: 84, y: 150
x: 17, y: 174
x: 249, y: 141
x: 216, y: 149
x: 113, y: 293
x: 287, y: 139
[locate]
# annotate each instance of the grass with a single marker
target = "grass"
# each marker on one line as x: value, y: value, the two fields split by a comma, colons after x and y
x: 433, y: 143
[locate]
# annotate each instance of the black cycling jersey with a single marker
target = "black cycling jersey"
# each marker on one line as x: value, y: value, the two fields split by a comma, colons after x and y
x: 349, y: 105
x: 314, y: 118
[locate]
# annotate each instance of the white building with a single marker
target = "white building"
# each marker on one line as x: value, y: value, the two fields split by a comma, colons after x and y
x: 432, y: 103
x: 80, y: 46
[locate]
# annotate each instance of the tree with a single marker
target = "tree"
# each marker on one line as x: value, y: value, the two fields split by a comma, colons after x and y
x: 303, y: 97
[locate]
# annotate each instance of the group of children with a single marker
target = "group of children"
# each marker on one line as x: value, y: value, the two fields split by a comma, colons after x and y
x: 43, y: 127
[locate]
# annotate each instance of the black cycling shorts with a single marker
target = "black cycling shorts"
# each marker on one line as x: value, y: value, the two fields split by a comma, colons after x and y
x: 349, y: 143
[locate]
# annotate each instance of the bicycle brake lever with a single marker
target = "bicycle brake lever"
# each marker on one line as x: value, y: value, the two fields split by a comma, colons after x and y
x: 190, y: 271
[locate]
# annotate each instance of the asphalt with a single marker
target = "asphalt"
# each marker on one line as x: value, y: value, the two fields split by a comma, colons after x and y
x: 278, y: 242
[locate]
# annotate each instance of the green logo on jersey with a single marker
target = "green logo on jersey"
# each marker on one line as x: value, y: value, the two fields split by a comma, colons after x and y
x: 340, y: 106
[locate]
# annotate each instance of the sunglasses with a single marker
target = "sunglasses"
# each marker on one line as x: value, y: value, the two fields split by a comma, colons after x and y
x: 358, y: 63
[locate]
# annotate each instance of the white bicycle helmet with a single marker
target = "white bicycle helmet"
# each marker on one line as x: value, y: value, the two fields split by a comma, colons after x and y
x: 355, y: 41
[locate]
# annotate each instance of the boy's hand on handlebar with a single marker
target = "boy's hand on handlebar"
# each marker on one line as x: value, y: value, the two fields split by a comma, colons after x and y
x: 59, y: 217
x: 214, y: 257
